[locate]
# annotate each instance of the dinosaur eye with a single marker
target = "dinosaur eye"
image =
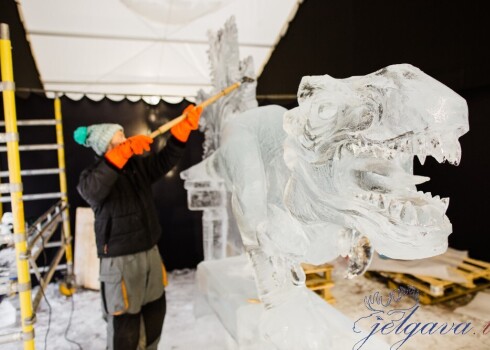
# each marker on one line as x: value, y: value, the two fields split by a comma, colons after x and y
x: 327, y: 110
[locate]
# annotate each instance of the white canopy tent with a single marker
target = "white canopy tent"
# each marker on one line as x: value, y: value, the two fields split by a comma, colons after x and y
x: 121, y: 47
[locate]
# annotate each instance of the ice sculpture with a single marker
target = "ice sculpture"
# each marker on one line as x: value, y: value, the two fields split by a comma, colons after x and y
x: 333, y: 177
x: 221, y: 237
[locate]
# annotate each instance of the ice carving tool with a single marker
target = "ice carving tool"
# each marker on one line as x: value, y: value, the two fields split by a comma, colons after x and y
x: 167, y: 126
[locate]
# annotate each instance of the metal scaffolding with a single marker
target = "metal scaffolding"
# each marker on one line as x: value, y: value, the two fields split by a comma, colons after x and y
x: 29, y: 245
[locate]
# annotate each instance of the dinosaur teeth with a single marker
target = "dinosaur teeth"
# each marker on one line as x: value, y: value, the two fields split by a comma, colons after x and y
x: 453, y: 152
x: 421, y: 158
x: 387, y: 201
x: 445, y: 201
x: 423, y: 216
x: 419, y: 148
x: 441, y: 148
x: 417, y: 179
x: 436, y: 148
x: 449, y: 157
x: 395, y: 208
x: 408, y: 214
x: 457, y: 154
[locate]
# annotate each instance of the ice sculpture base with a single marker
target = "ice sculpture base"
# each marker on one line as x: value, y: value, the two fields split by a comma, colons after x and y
x: 227, y: 288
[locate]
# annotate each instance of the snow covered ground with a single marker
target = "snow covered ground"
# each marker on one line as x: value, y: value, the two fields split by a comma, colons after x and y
x: 183, y: 332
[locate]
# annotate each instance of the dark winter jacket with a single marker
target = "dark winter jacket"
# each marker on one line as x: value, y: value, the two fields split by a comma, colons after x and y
x: 126, y: 220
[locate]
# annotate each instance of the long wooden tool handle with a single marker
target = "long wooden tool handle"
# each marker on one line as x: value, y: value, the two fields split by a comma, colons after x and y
x: 167, y: 126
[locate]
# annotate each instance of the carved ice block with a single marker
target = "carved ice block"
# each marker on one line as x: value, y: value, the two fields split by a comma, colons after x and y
x: 205, y: 194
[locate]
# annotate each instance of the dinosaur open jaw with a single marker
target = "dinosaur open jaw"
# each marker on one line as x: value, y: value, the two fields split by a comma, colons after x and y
x: 386, y: 184
x: 393, y: 193
x: 390, y: 188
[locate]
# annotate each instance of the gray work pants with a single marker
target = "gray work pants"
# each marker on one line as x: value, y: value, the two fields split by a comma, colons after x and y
x: 133, y: 293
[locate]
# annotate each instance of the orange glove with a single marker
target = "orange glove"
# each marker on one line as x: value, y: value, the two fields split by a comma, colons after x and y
x: 119, y: 155
x: 140, y: 143
x: 182, y: 130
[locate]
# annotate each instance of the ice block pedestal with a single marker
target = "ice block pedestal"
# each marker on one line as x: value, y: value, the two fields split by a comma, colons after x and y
x: 227, y: 288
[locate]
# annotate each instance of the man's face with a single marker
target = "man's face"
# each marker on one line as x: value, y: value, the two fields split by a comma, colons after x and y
x: 116, y: 140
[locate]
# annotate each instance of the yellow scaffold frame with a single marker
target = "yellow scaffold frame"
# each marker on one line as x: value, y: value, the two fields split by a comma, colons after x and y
x: 48, y: 222
x: 12, y: 137
x: 63, y: 185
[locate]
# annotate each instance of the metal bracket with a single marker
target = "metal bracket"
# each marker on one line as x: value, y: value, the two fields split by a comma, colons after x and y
x: 19, y: 237
x: 9, y: 137
x: 4, y: 31
x: 25, y: 256
x: 24, y: 287
x: 11, y: 187
x: 28, y: 335
x: 30, y: 321
x: 7, y: 86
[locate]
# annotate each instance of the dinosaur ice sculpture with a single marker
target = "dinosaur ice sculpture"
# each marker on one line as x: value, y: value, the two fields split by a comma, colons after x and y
x: 334, y: 177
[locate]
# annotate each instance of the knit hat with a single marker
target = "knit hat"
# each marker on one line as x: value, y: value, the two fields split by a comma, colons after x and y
x: 97, y: 136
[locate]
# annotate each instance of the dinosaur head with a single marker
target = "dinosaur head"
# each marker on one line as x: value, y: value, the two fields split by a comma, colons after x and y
x: 350, y: 148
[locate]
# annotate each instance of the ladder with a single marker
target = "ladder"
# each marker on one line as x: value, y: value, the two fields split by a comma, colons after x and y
x: 29, y: 245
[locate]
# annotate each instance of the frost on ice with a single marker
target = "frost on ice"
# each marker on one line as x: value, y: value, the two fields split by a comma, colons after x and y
x: 334, y: 177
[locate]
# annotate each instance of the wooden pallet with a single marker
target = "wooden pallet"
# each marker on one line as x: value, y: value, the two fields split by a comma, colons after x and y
x: 319, y: 280
x: 472, y: 270
x: 433, y: 290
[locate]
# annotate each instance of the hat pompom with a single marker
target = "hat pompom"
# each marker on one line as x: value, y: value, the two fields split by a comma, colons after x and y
x: 80, y: 135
